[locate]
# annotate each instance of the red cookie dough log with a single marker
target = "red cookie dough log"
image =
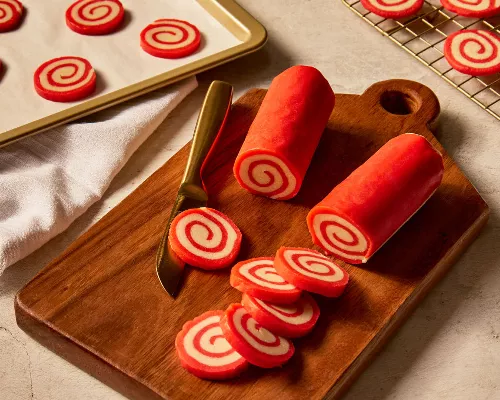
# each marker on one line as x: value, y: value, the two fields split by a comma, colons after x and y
x: 203, y: 350
x: 95, y: 17
x: 255, y: 343
x: 259, y: 278
x: 170, y: 38
x: 473, y: 52
x: 361, y: 213
x: 205, y: 238
x: 310, y: 270
x: 11, y: 12
x: 473, y: 8
x: 393, y: 8
x: 282, y: 139
x: 65, y: 79
x: 289, y: 320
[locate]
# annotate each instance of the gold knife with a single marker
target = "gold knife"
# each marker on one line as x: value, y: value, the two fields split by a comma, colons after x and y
x: 191, y: 193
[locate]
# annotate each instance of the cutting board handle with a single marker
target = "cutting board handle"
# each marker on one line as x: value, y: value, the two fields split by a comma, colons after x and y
x: 409, y: 101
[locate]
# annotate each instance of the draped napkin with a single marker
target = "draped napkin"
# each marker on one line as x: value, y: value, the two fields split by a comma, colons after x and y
x: 50, y: 179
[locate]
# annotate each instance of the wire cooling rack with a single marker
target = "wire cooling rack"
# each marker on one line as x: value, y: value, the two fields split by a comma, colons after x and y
x: 423, y: 36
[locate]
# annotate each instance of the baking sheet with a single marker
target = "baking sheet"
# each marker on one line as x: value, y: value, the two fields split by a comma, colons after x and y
x: 117, y: 58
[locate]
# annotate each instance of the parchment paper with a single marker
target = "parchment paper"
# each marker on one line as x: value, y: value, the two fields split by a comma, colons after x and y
x: 117, y: 58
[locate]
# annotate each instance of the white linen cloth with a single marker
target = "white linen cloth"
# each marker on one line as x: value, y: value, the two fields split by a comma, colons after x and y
x: 50, y: 179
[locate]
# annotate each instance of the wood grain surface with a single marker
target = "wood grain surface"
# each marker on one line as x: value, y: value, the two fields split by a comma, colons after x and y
x: 100, y: 304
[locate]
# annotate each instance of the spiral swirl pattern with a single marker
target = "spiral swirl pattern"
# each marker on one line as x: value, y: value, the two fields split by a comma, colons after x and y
x: 205, y: 343
x: 205, y: 238
x: 393, y: 5
x: 298, y: 313
x: 339, y: 237
x: 170, y: 38
x: 311, y: 264
x: 393, y: 8
x: 10, y: 14
x: 473, y: 8
x: 474, y: 52
x: 258, y: 337
x: 261, y: 272
x: 267, y: 175
x: 65, y: 79
x: 94, y: 16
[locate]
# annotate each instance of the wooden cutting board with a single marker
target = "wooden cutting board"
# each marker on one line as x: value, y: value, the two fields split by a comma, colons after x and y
x: 100, y: 305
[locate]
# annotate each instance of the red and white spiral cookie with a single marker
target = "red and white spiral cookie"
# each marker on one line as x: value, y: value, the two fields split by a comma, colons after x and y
x: 95, y: 17
x: 255, y: 343
x: 259, y: 278
x: 170, y: 38
x: 205, y: 238
x: 393, y: 8
x: 204, y: 351
x: 473, y: 8
x: 65, y: 79
x: 473, y: 52
x: 287, y: 320
x: 11, y: 12
x: 310, y: 270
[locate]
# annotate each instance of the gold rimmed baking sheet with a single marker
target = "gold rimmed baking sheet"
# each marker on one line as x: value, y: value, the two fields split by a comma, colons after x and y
x: 124, y: 70
x: 423, y: 36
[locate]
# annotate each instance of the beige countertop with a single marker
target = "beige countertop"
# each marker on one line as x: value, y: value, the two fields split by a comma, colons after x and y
x: 448, y: 349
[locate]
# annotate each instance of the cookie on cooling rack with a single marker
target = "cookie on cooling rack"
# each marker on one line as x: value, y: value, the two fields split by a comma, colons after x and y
x: 473, y: 9
x: 393, y: 8
x: 473, y: 52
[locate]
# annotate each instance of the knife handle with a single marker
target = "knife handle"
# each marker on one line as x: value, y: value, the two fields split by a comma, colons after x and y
x: 210, y: 122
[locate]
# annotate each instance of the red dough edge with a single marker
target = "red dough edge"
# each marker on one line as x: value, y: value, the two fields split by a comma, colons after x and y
x: 101, y: 29
x: 490, y: 12
x: 200, y: 262
x: 463, y: 68
x: 276, y: 325
x: 273, y: 296
x: 63, y: 97
x: 201, y: 370
x: 393, y: 14
x: 327, y: 289
x: 288, y: 125
x: 253, y: 356
x: 382, y: 194
x: 14, y: 22
x: 172, y: 53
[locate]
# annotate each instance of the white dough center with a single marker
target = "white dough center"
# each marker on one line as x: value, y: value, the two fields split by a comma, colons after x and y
x: 200, y: 231
x: 7, y: 8
x: 170, y: 37
x: 473, y: 5
x: 341, y: 229
x: 94, y: 12
x: 263, y: 172
x: 283, y: 312
x: 392, y: 5
x: 313, y: 266
x: 478, y: 46
x: 70, y: 77
x: 216, y: 346
x: 265, y: 276
x: 263, y: 334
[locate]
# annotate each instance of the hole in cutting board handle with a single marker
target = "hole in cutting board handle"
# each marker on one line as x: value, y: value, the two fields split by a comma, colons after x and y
x: 400, y: 103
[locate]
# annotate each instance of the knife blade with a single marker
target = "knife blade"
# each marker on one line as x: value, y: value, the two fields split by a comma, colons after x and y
x: 191, y: 194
